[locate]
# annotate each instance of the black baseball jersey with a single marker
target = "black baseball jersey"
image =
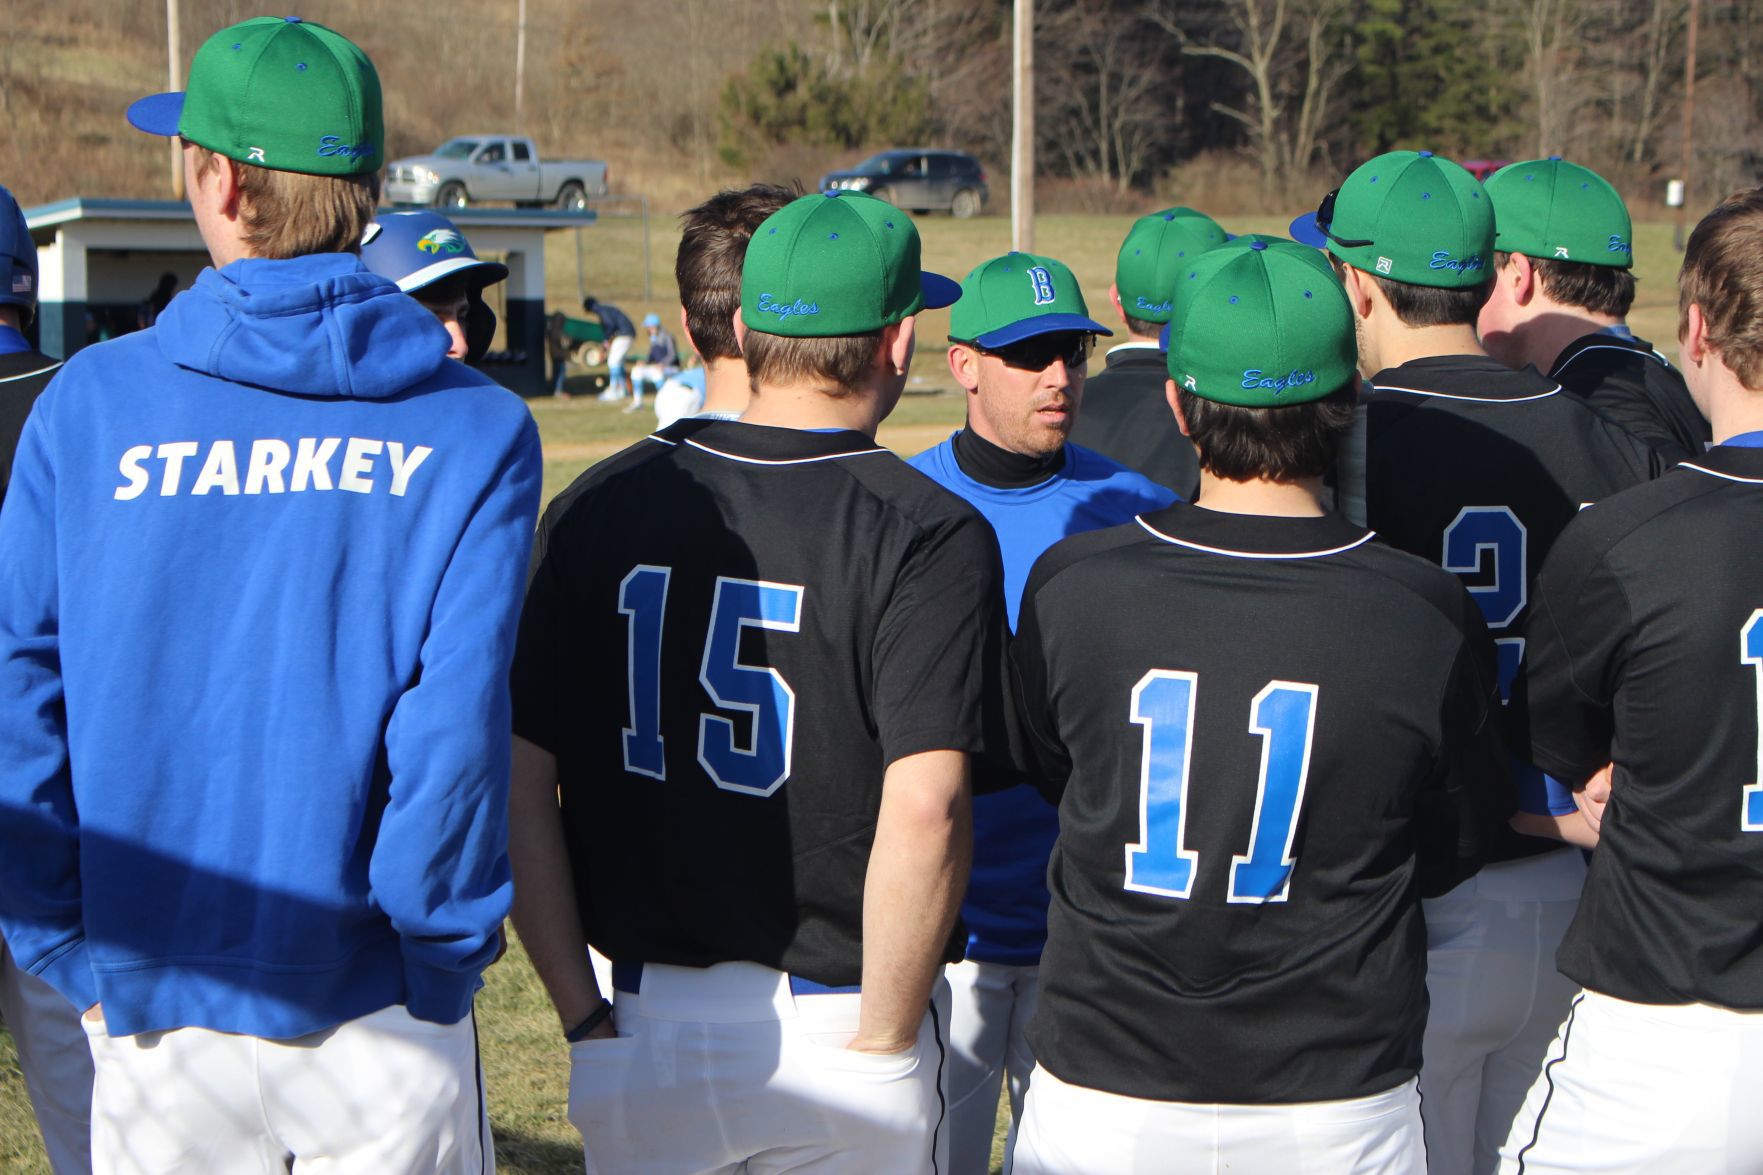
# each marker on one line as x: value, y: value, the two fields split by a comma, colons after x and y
x: 23, y: 376
x: 1124, y: 415
x: 1477, y: 468
x: 730, y: 632
x: 1634, y: 385
x: 1646, y: 650
x: 1268, y: 737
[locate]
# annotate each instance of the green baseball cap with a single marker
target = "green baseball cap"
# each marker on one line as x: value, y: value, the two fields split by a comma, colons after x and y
x: 1016, y: 297
x: 836, y: 263
x: 1410, y: 216
x: 1261, y: 324
x: 277, y: 92
x: 1560, y: 211
x: 1155, y: 248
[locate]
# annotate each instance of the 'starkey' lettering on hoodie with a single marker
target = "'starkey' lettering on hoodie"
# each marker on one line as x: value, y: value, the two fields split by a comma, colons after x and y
x: 269, y: 465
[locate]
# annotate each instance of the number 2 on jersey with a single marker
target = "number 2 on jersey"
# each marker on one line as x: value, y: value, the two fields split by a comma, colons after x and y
x: 760, y: 767
x: 1283, y: 714
x: 1496, y: 531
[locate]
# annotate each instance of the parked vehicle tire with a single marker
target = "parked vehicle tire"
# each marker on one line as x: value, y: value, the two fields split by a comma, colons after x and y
x: 452, y: 195
x: 964, y: 204
x: 572, y: 197
x: 589, y: 355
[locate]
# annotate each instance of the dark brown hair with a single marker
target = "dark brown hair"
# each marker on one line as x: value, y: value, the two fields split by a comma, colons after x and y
x: 1279, y: 444
x: 1723, y: 274
x: 708, y: 265
x: 287, y: 214
x: 1141, y: 326
x: 843, y: 362
x: 1602, y: 289
x: 1426, y: 305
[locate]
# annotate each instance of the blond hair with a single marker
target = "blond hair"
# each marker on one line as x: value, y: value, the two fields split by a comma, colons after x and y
x: 286, y: 214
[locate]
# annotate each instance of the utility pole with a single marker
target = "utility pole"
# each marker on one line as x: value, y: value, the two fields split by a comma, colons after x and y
x: 1022, y: 132
x: 520, y: 69
x: 176, y: 58
x: 1689, y: 121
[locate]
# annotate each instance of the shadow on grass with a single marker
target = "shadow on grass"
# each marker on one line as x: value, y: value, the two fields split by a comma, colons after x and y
x: 523, y: 1153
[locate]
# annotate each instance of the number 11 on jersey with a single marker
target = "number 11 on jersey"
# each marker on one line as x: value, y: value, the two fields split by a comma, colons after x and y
x: 1283, y: 714
x: 1751, y: 653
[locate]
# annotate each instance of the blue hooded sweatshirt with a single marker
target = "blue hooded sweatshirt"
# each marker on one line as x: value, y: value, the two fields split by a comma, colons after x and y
x: 260, y: 568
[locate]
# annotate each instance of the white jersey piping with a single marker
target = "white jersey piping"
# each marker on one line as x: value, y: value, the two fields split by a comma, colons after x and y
x: 27, y: 374
x: 1754, y: 481
x: 784, y: 461
x: 1477, y: 399
x: 1359, y: 542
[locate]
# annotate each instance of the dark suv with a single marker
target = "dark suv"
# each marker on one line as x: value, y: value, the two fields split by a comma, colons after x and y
x: 918, y: 179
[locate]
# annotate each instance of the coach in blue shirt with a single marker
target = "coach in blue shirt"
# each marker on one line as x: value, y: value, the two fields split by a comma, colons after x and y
x: 1020, y: 339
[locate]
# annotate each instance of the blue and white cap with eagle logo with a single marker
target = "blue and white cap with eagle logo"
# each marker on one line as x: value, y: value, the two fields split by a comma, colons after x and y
x: 417, y: 249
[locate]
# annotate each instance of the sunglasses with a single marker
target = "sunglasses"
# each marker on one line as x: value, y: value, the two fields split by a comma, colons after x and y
x: 1325, y: 219
x: 1038, y: 352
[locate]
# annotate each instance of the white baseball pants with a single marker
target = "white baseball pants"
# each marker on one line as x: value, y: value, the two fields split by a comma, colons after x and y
x: 1643, y: 1088
x: 56, y: 1062
x: 382, y: 1094
x: 1071, y: 1130
x: 990, y: 1005
x: 724, y: 1069
x: 1497, y: 1001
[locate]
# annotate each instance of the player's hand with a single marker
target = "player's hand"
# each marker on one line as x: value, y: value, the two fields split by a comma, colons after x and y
x: 605, y: 1030
x: 1593, y: 795
x: 880, y: 1046
x: 95, y: 1014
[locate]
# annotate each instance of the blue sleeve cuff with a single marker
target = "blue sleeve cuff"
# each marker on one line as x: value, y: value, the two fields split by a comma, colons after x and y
x: 1541, y: 794
x: 438, y: 995
x: 70, y: 972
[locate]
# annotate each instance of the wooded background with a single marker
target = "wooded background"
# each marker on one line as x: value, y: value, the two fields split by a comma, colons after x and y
x: 1236, y: 106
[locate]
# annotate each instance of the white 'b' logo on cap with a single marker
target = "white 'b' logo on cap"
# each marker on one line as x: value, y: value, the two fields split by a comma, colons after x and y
x: 1042, y: 283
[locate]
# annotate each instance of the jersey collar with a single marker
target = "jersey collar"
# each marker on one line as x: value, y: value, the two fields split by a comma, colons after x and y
x: 1464, y: 377
x: 1601, y: 341
x: 1737, y: 459
x: 763, y: 444
x: 1252, y: 536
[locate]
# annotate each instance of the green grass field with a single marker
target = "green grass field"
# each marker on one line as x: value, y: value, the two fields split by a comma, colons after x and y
x: 524, y: 1058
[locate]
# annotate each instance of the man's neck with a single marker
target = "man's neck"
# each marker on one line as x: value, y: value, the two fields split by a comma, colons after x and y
x: 1404, y: 344
x: 1555, y: 328
x: 807, y: 406
x: 1282, y: 499
x: 1733, y: 409
x: 10, y: 317
x: 725, y: 386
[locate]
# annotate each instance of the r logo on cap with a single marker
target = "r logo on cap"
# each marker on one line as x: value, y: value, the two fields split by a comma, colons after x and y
x: 1560, y: 250
x: 1384, y: 265
x: 1042, y: 283
x: 255, y: 155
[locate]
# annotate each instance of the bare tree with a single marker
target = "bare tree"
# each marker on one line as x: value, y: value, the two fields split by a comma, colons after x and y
x: 1101, y: 76
x: 1292, y: 53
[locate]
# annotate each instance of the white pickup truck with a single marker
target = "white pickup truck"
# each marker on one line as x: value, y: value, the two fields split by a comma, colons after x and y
x: 475, y: 168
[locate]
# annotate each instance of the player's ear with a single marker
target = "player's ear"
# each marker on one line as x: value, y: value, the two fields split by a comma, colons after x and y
x: 1174, y: 400
x: 1521, y: 275
x: 1114, y: 297
x: 964, y: 366
x: 899, y: 341
x: 1359, y: 290
x: 1694, y: 338
x: 740, y: 325
x: 686, y: 331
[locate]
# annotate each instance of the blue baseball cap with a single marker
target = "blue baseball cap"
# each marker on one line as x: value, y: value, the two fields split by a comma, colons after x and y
x: 18, y: 256
x: 651, y: 320
x: 1018, y: 296
x: 417, y: 249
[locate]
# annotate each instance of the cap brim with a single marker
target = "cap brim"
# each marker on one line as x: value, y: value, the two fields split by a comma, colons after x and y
x: 490, y: 272
x: 1044, y: 324
x: 1306, y: 231
x: 157, y: 114
x: 939, y: 291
